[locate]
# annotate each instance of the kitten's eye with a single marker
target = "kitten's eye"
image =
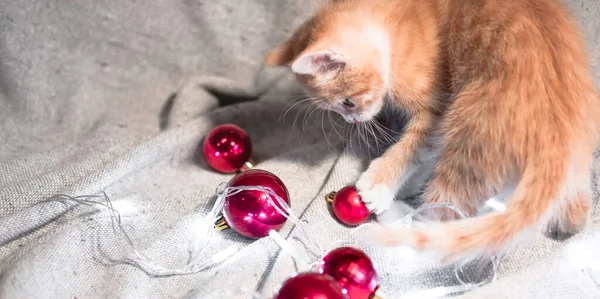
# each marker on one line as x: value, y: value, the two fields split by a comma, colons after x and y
x: 348, y: 103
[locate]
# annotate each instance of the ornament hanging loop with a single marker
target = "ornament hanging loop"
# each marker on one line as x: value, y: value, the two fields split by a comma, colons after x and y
x: 221, y: 188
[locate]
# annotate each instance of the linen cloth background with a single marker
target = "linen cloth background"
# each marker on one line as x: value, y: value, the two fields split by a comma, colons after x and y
x: 114, y: 96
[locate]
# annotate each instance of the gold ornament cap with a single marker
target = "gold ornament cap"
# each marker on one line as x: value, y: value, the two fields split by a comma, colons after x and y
x: 378, y: 294
x: 247, y: 166
x: 220, y: 223
x: 331, y: 196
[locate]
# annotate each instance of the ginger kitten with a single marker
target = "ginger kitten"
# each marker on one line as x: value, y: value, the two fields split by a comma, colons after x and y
x: 504, y: 89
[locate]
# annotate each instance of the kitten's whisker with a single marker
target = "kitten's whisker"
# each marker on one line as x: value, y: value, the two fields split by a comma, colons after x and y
x: 386, y: 128
x: 284, y: 115
x: 369, y: 145
x: 306, y: 113
x: 334, y: 124
x: 303, y: 108
x: 386, y: 137
x: 293, y: 103
x: 351, y: 130
x: 359, y: 127
x: 281, y: 96
x: 323, y: 127
x: 286, y: 111
x: 307, y: 116
x: 381, y: 129
x: 358, y: 135
x: 370, y: 123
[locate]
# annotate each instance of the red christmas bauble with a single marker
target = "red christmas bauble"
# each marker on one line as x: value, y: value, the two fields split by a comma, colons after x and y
x: 310, y: 286
x: 353, y: 270
x: 349, y: 208
x: 227, y: 148
x: 249, y: 212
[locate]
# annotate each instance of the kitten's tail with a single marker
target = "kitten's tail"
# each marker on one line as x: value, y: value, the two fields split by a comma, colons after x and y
x: 531, y: 204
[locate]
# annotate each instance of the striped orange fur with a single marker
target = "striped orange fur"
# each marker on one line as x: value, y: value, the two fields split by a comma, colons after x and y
x: 503, y: 88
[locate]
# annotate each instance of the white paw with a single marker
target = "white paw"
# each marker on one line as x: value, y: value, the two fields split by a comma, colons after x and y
x: 377, y: 198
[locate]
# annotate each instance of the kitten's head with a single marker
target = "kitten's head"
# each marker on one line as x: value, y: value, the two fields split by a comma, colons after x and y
x: 342, y: 64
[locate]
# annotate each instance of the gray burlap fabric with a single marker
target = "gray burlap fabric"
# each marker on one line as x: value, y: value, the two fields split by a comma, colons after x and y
x: 114, y: 96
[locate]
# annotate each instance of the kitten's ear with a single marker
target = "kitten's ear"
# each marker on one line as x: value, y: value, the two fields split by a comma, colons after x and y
x: 285, y: 53
x: 320, y: 62
x: 280, y: 56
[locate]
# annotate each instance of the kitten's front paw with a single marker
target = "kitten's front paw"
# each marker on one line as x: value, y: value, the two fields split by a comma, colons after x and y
x: 377, y: 197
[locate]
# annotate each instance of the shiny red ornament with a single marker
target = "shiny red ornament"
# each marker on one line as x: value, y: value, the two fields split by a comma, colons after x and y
x: 353, y: 270
x: 227, y: 148
x: 348, y: 207
x: 310, y: 286
x: 250, y: 212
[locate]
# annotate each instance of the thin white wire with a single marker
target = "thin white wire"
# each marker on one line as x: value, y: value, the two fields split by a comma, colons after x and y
x: 205, y: 229
x: 284, y: 209
x: 143, y: 261
x: 407, y: 222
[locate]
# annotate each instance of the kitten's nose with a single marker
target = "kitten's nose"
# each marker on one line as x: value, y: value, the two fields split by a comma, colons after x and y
x: 352, y: 118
